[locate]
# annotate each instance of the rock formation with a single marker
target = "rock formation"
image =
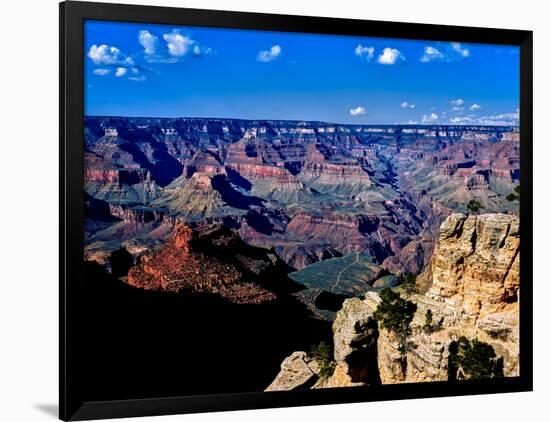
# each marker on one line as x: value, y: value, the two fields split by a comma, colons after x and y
x: 298, y: 371
x: 211, y: 260
x: 321, y: 189
x: 476, y: 266
x: 355, y: 349
x: 475, y: 290
x: 474, y: 293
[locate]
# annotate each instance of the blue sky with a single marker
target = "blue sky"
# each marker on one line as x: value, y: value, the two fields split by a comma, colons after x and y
x: 136, y: 69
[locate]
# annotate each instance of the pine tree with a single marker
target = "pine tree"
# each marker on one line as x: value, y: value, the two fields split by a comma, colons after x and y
x: 395, y: 313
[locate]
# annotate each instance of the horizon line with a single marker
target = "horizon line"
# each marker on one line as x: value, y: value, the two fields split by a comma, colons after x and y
x: 298, y: 121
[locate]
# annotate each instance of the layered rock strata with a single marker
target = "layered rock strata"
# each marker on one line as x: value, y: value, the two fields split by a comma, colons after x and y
x: 474, y: 293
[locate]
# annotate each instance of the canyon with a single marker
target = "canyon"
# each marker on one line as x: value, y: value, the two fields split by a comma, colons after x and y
x: 319, y: 218
x: 311, y: 190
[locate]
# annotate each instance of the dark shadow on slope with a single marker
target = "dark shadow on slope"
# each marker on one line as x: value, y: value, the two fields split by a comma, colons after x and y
x: 294, y: 167
x: 121, y: 261
x: 330, y: 301
x: 259, y: 222
x: 97, y: 215
x: 258, y: 265
x: 165, y: 168
x: 96, y: 209
x: 368, y: 225
x: 232, y: 197
x: 235, y: 178
x: 363, y: 362
x: 142, y: 344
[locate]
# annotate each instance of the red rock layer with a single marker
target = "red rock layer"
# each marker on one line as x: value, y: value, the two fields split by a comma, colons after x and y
x: 203, y: 162
x: 178, y: 267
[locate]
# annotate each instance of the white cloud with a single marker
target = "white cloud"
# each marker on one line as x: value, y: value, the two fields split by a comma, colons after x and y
x: 390, y: 56
x: 364, y: 52
x: 199, y: 50
x: 269, y: 55
x: 148, y: 41
x: 102, y: 72
x: 462, y: 51
x: 358, y: 111
x: 475, y: 107
x: 411, y: 122
x: 462, y: 120
x: 178, y: 44
x: 457, y: 108
x: 108, y: 55
x: 137, y: 78
x: 445, y: 52
x: 408, y: 105
x: 503, y: 119
x: 458, y: 102
x: 431, y: 54
x: 120, y: 71
x: 430, y: 118
x: 509, y: 115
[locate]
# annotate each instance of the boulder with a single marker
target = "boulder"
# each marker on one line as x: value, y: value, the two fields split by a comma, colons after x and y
x: 297, y: 372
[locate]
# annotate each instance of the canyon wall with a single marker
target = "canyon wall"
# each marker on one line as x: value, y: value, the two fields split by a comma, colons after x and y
x: 311, y: 190
x: 474, y: 293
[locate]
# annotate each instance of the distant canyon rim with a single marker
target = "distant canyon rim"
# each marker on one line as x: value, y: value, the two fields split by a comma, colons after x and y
x: 310, y: 190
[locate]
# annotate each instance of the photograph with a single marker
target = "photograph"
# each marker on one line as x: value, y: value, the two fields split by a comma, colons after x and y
x: 272, y: 211
x: 286, y: 211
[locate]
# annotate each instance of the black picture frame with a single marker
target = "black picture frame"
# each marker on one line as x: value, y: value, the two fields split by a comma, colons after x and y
x: 72, y: 290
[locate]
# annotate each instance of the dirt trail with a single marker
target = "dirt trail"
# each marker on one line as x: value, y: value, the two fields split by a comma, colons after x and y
x: 344, y: 269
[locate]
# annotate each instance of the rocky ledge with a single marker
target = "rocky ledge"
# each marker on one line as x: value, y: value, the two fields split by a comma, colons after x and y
x: 474, y: 294
x: 298, y: 371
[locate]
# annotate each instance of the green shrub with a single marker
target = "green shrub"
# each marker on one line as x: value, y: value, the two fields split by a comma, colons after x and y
x: 395, y: 313
x: 513, y: 196
x: 474, y: 206
x: 323, y: 354
x: 429, y: 325
x: 428, y: 321
x: 473, y: 360
x: 407, y: 284
x: 499, y: 334
x: 429, y: 317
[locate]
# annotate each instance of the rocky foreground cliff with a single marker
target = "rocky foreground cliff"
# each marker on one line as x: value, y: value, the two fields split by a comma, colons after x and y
x: 474, y: 295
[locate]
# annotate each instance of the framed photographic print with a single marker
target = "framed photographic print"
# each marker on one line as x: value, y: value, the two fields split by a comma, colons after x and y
x: 265, y: 210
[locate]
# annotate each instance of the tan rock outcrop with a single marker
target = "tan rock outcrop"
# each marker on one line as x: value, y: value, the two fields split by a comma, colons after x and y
x: 475, y: 266
x: 297, y: 371
x: 355, y: 334
x: 339, y: 378
x: 474, y: 293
